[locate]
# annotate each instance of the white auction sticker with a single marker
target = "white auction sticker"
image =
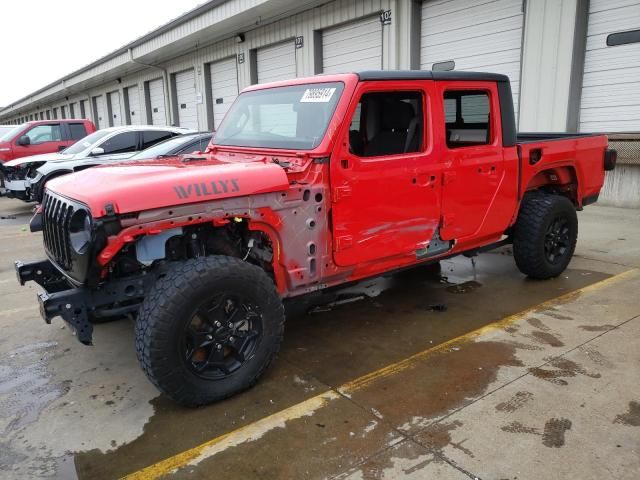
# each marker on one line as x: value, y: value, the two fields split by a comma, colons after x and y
x: 321, y: 95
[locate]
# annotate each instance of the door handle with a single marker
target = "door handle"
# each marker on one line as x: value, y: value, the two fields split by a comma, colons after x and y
x: 424, y: 180
x: 487, y: 170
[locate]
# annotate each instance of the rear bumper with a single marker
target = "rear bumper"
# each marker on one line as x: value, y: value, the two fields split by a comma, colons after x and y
x: 78, y: 305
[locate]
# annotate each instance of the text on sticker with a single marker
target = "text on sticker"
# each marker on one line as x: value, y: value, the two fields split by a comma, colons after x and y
x: 322, y: 95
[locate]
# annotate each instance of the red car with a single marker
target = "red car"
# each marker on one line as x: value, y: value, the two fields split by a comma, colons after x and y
x: 307, y: 184
x: 42, y: 136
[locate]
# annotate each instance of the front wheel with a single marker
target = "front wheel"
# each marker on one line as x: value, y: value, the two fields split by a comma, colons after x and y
x: 209, y: 329
x: 545, y: 235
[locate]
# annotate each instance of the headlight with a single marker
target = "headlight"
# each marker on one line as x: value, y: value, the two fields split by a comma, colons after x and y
x: 80, y: 231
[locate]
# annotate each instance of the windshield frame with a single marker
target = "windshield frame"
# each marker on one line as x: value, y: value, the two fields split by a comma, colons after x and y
x: 100, y: 135
x: 11, y: 133
x: 286, y: 143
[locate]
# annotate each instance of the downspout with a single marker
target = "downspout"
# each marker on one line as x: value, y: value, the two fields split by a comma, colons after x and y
x: 167, y: 89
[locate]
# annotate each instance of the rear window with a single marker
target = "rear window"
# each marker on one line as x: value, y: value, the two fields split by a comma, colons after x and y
x: 77, y: 130
x: 466, y: 114
x: 151, y: 137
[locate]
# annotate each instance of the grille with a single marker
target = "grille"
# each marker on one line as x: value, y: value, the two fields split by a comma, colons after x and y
x: 57, y: 213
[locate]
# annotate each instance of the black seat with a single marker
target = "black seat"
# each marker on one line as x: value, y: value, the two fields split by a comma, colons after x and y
x: 397, y: 118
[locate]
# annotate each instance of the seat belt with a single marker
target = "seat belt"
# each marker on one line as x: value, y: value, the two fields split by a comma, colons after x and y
x: 411, y: 132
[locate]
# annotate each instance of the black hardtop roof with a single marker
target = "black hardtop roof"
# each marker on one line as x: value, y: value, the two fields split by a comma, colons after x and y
x: 430, y: 75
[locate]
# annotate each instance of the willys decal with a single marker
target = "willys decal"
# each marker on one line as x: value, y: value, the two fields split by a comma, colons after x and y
x: 207, y: 189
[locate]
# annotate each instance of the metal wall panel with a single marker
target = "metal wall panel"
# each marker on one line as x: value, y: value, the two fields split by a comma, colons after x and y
x: 115, y: 109
x: 100, y: 110
x: 185, y: 85
x: 476, y: 35
x: 134, y: 113
x: 224, y: 87
x: 276, y: 62
x: 353, y: 46
x: 157, y: 102
x: 610, y: 100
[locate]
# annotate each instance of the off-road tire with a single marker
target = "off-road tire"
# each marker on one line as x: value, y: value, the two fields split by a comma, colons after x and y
x: 537, y: 213
x: 165, y: 314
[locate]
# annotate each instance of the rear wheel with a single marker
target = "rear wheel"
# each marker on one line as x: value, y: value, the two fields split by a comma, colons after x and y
x: 209, y: 329
x: 545, y: 235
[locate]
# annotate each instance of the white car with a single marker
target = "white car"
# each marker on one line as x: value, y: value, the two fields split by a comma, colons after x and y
x: 114, y: 144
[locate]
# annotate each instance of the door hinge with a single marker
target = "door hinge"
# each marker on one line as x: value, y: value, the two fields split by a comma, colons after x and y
x: 341, y: 192
x: 344, y: 242
x: 448, y: 177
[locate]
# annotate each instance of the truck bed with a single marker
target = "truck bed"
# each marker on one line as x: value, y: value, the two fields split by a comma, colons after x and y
x: 529, y: 137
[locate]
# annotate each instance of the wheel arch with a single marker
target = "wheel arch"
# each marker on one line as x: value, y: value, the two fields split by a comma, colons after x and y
x: 562, y: 180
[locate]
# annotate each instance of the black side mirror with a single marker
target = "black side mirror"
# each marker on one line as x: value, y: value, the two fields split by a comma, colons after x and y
x: 24, y: 140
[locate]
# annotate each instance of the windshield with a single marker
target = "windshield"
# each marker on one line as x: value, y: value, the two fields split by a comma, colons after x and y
x: 6, y: 135
x: 294, y: 117
x: 163, y: 148
x: 84, y: 143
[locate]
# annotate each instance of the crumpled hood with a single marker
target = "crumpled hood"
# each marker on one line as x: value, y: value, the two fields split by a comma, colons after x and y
x: 45, y: 157
x: 139, y: 186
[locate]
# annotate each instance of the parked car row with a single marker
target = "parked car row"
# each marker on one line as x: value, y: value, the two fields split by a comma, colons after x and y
x: 26, y: 177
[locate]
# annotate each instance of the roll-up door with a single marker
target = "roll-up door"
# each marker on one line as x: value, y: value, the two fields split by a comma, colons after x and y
x: 134, y: 116
x: 276, y: 62
x: 477, y: 36
x: 611, y: 81
x: 115, y: 110
x: 101, y: 112
x: 224, y: 87
x: 156, y: 102
x: 353, y: 46
x: 186, y: 99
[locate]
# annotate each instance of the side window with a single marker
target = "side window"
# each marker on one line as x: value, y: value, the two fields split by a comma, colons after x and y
x: 387, y: 123
x: 121, y: 143
x: 467, y: 118
x: 44, y: 133
x: 151, y: 137
x: 78, y: 131
x: 190, y: 148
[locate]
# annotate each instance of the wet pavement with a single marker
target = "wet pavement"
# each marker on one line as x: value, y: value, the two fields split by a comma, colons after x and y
x: 467, y: 370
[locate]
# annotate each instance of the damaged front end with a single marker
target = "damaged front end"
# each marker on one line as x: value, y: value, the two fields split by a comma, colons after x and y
x: 80, y: 306
x: 70, y: 276
x: 16, y: 179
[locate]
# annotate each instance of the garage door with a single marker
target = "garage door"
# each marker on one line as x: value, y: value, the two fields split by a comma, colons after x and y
x: 611, y: 82
x: 482, y: 36
x: 276, y: 62
x: 114, y: 104
x: 63, y: 112
x: 224, y: 87
x: 134, y: 116
x: 156, y: 101
x: 186, y: 99
x: 72, y: 110
x: 101, y: 112
x: 352, y: 47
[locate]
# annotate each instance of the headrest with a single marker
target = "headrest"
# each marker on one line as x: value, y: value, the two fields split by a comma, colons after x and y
x: 396, y: 115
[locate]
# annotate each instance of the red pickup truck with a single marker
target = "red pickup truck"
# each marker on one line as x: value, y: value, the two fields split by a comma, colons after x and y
x: 307, y: 184
x: 42, y: 136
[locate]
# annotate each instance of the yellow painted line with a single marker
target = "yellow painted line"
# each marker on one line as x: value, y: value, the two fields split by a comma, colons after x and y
x: 257, y: 429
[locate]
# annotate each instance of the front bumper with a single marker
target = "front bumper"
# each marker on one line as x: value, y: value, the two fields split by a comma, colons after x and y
x: 77, y: 305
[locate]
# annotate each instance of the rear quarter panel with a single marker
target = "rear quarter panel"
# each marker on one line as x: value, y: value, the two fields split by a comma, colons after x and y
x: 584, y: 155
